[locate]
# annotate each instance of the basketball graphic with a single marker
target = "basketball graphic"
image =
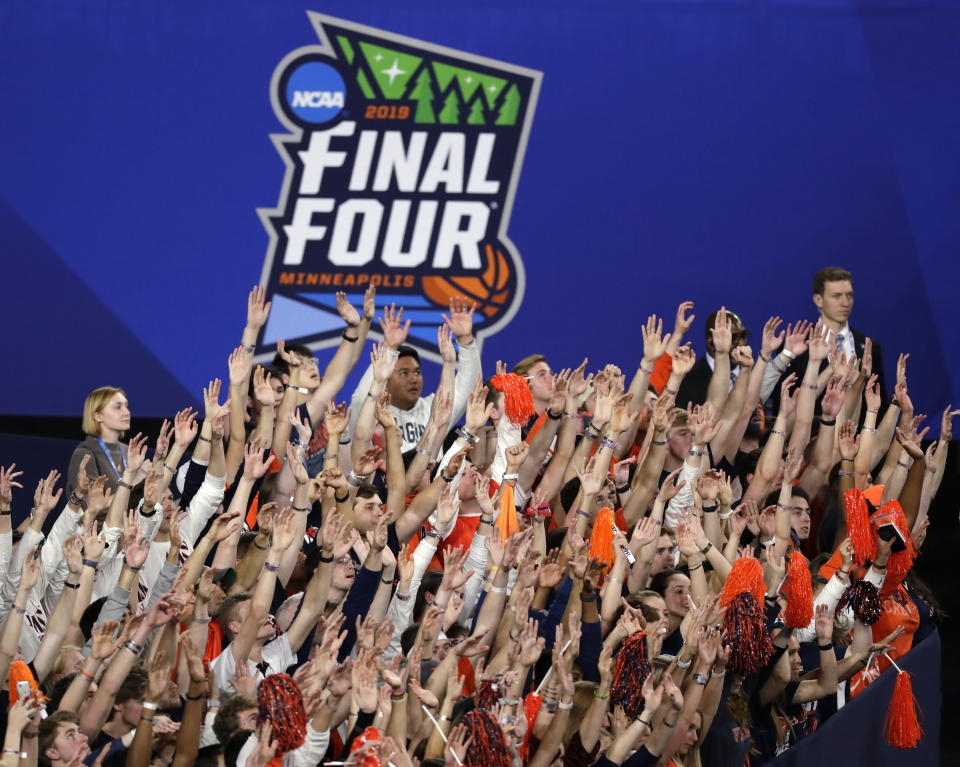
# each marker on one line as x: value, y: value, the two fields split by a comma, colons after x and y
x: 491, y: 290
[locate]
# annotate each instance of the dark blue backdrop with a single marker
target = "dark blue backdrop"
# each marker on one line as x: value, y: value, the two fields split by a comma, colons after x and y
x: 719, y: 151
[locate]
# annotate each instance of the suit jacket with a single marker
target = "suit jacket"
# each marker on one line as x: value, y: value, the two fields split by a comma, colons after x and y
x: 799, y: 366
x: 694, y: 386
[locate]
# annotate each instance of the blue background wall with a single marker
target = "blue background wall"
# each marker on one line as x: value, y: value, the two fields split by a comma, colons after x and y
x: 719, y: 151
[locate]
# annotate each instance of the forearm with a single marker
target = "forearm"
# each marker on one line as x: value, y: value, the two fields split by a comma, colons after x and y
x: 719, y: 385
x: 142, y: 746
x: 806, y: 402
x: 188, y: 737
x: 57, y: 627
x: 77, y: 691
x: 863, y: 463
x: 910, y: 495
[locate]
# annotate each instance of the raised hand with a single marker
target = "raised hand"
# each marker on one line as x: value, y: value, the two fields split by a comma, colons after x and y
x: 137, y: 454
x: 296, y: 465
x: 591, y: 476
x: 346, y: 311
x: 668, y: 489
x: 383, y: 412
x: 238, y: 364
x: 256, y: 459
x: 516, y: 455
x: 823, y: 623
x: 684, y: 360
x: 478, y: 411
x: 788, y: 399
x: 796, y: 340
x: 337, y: 418
x: 382, y: 363
x: 393, y: 327
x: 742, y: 356
x: 460, y: 321
x: 8, y: 481
x: 706, y: 425
x: 185, y: 427
x: 300, y: 426
x: 682, y: 322
x: 263, y: 387
x: 293, y: 360
x: 721, y: 333
x: 817, y: 344
x: 93, y: 542
x: 45, y: 500
x: 370, y: 303
x: 258, y: 308
x: 849, y: 441
x: 771, y: 339
x: 833, y: 398
x: 871, y: 394
x: 654, y: 342
x: 445, y: 344
x: 551, y: 573
x: 284, y: 530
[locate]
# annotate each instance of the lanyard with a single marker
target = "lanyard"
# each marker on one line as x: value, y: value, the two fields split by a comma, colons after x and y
x: 123, y: 463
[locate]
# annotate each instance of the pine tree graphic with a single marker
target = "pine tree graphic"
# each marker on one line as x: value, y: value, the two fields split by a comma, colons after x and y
x: 477, y: 113
x: 422, y: 93
x: 450, y: 114
x: 510, y: 108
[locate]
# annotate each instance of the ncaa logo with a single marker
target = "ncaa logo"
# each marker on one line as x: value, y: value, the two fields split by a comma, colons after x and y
x: 315, y: 92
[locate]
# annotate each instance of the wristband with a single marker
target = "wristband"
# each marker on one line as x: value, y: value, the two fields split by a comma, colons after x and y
x: 601, y: 697
x: 301, y: 508
x: 701, y: 678
x: 671, y: 392
x: 136, y: 649
x: 486, y: 521
x: 845, y: 474
x: 691, y: 568
x: 625, y: 488
x: 422, y: 451
x: 355, y: 479
x: 402, y: 597
x: 841, y: 570
x: 338, y: 499
x: 272, y: 566
x: 202, y: 439
x: 718, y: 674
x: 15, y: 753
x: 348, y: 339
x: 91, y: 563
x: 262, y: 548
x: 194, y: 697
x: 565, y: 706
x: 646, y: 724
x: 788, y: 354
x: 72, y: 585
x: 645, y: 371
x: 583, y: 513
x: 553, y: 417
x: 765, y: 359
x: 591, y: 597
x: 831, y: 422
x: 301, y: 389
x: 397, y: 697
x: 145, y: 515
x: 706, y: 548
x: 326, y: 560
x: 811, y: 387
x: 498, y: 589
x: 332, y: 456
x: 387, y: 581
x: 128, y: 486
x: 19, y: 610
x: 825, y: 647
x: 658, y: 442
x: 431, y: 534
x: 682, y: 664
x: 213, y: 704
x: 846, y: 459
x: 870, y: 429
x: 904, y: 465
x: 895, y: 404
x: 149, y: 705
x: 612, y: 444
x: 447, y: 479
x: 169, y: 468
x: 466, y: 436
x: 6, y: 513
x: 203, y: 620
x: 86, y: 675
x: 510, y: 476
x: 346, y: 441
x: 779, y: 433
x: 697, y: 453
x: 709, y: 509
x: 875, y: 566
x: 727, y: 515
x: 78, y: 502
x: 875, y: 412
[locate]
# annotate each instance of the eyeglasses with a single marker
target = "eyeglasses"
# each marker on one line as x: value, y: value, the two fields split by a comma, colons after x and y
x: 309, y: 362
x: 410, y: 373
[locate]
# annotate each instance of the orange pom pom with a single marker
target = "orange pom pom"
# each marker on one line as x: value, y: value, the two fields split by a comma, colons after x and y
x: 799, y: 593
x: 601, y: 540
x: 531, y: 709
x: 745, y: 575
x: 901, y: 727
x: 20, y: 672
x: 508, y: 514
x: 859, y: 529
x: 901, y: 561
x: 517, y: 398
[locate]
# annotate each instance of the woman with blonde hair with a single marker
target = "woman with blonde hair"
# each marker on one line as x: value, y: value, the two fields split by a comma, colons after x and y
x: 106, y: 418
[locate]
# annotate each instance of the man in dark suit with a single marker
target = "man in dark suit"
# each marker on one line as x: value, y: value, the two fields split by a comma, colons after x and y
x: 833, y: 297
x: 697, y: 381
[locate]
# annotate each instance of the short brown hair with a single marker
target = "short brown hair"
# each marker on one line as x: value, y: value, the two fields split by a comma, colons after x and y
x: 524, y: 365
x: 829, y: 274
x: 227, y: 722
x: 96, y: 401
x: 48, y: 731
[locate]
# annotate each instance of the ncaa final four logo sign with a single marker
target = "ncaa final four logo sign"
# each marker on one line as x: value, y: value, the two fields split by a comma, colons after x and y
x: 402, y: 163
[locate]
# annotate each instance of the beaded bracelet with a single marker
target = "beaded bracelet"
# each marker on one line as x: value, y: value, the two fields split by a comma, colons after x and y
x: 779, y: 433
x: 671, y: 392
x: 846, y: 474
x: 610, y: 443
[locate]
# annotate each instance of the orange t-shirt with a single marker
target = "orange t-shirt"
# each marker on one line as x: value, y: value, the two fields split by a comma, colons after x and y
x: 898, y: 610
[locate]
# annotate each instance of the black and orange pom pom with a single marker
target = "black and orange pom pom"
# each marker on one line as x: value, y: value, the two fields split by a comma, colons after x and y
x: 280, y: 701
x: 746, y: 634
x: 629, y: 674
x: 489, y: 746
x: 864, y: 599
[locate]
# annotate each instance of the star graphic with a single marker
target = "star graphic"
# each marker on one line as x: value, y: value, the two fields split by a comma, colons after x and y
x: 468, y: 80
x: 378, y: 57
x: 493, y: 88
x: 393, y: 71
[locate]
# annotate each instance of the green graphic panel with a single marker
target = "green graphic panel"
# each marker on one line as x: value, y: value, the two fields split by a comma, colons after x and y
x: 392, y: 69
x: 469, y: 81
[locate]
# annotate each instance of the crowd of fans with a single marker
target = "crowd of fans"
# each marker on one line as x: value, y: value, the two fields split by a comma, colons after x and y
x: 697, y: 563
